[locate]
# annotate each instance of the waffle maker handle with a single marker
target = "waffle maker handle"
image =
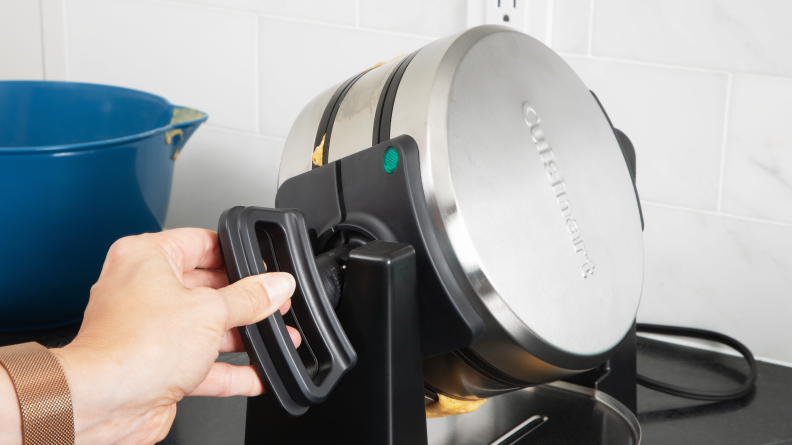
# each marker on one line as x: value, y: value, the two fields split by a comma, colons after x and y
x: 253, y: 240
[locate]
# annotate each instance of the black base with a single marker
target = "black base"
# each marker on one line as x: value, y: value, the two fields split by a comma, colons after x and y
x: 617, y: 376
x: 380, y: 401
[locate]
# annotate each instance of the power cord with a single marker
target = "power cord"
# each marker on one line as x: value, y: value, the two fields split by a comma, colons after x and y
x: 715, y: 396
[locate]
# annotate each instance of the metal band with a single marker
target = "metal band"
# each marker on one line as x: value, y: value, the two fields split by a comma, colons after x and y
x: 47, y: 413
x: 384, y: 113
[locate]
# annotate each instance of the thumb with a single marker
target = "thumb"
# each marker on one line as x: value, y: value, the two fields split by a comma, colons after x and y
x: 255, y: 298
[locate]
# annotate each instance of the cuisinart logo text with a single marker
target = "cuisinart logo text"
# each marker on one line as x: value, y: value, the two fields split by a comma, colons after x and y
x: 557, y: 184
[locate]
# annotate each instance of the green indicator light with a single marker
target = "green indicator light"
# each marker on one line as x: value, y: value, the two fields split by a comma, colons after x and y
x: 391, y: 160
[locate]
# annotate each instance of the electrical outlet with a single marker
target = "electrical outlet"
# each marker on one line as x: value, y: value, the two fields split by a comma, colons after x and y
x: 505, y: 12
x: 533, y: 17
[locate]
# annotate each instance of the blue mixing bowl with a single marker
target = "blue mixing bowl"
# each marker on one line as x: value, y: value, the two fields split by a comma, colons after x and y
x: 81, y: 166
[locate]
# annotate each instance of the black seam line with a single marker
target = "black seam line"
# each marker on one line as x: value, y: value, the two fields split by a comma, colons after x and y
x: 429, y: 386
x: 340, y: 192
x: 384, y: 113
x: 328, y: 117
x: 326, y: 151
x: 375, y: 137
x: 475, y: 361
x: 325, y: 120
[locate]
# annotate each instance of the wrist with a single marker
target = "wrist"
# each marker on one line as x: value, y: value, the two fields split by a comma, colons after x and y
x: 10, y: 411
x: 95, y: 410
x: 107, y: 406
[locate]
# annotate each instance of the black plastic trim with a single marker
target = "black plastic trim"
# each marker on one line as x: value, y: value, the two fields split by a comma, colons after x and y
x: 628, y: 151
x: 325, y: 129
x: 483, y: 367
x: 384, y: 113
x: 390, y: 207
x: 297, y: 381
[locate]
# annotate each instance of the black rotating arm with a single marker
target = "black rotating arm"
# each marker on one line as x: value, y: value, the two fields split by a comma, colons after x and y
x: 252, y: 237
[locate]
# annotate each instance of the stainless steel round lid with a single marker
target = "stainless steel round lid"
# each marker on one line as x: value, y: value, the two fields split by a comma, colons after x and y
x: 530, y: 192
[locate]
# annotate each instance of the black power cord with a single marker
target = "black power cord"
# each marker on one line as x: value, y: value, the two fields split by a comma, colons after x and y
x: 715, y: 396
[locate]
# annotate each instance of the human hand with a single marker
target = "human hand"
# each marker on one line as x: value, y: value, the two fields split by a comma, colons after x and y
x: 152, y: 330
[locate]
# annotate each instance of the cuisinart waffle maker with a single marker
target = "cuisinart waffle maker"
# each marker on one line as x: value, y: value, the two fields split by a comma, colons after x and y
x: 462, y: 223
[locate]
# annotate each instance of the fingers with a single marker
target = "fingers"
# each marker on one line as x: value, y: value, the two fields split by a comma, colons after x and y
x: 205, y: 278
x: 190, y: 248
x: 295, y: 336
x: 226, y: 380
x: 254, y: 298
x: 286, y: 306
x: 232, y: 342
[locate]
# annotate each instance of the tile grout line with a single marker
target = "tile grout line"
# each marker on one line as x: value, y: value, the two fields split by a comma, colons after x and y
x: 43, y: 44
x: 761, y: 76
x: 773, y: 361
x: 244, y: 133
x: 257, y: 80
x: 719, y: 348
x: 643, y: 63
x: 348, y: 27
x: 723, y: 142
x: 676, y: 67
x: 295, y: 20
x: 711, y: 213
x: 591, y: 28
x: 66, y: 54
x: 550, y: 20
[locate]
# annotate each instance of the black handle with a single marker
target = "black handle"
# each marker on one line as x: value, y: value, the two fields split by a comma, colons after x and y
x: 249, y: 238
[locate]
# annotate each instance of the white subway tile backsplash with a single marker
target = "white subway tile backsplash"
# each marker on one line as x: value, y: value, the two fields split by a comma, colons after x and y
x: 571, y: 26
x: 298, y: 61
x: 331, y: 11
x: 757, y: 179
x: 219, y: 169
x: 537, y: 19
x: 661, y: 68
x: 674, y: 119
x: 53, y: 26
x: 20, y: 40
x: 196, y: 57
x: 719, y: 273
x: 436, y: 18
x: 748, y: 36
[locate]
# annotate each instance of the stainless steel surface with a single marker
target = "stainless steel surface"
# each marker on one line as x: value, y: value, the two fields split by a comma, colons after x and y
x: 296, y: 158
x: 495, y: 202
x: 354, y: 123
x: 527, y: 188
x: 575, y: 415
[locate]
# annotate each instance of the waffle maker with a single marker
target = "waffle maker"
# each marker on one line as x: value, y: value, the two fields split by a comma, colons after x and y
x: 462, y: 222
